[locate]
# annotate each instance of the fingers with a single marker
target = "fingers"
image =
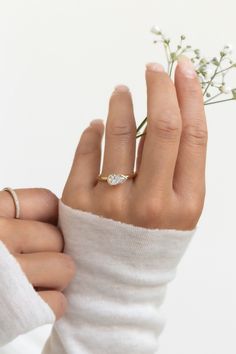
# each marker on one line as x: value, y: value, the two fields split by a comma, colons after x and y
x: 119, y: 154
x: 48, y: 270
x: 56, y: 300
x: 190, y: 166
x: 27, y: 236
x: 86, y: 164
x: 35, y: 204
x: 163, y: 131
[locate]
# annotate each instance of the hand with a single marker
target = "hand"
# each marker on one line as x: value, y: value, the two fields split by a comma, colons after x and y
x: 37, y: 243
x: 169, y: 189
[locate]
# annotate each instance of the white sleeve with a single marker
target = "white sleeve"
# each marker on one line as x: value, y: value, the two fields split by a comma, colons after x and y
x: 21, y: 308
x: 115, y: 299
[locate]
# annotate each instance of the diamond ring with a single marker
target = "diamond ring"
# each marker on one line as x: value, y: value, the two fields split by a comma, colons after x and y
x: 115, y: 179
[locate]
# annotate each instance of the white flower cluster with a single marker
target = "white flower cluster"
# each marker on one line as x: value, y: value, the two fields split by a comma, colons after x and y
x: 211, y: 72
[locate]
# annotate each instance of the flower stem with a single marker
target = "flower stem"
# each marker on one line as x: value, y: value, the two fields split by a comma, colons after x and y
x: 141, y: 125
x: 139, y: 135
x: 171, y: 68
x: 214, y: 75
x: 229, y: 99
x: 167, y: 56
x: 226, y: 69
x: 212, y: 98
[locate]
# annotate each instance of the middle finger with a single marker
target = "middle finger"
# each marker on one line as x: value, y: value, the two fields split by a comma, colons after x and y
x: 48, y: 270
x: 163, y: 134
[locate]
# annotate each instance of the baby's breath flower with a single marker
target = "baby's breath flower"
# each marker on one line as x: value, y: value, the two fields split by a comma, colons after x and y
x: 208, y: 73
x: 234, y: 93
x: 211, y: 71
x: 156, y: 30
x: 225, y: 89
x: 228, y: 49
x: 215, y: 61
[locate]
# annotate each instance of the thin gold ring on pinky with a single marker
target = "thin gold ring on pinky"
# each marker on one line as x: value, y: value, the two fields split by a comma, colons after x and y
x: 15, y: 200
x: 115, y: 179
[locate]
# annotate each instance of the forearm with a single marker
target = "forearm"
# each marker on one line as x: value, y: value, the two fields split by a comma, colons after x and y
x: 122, y: 273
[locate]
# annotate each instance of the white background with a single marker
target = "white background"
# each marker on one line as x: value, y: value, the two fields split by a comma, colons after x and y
x: 59, y: 61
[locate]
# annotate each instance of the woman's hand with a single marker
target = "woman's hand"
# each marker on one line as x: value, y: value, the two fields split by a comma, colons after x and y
x: 169, y: 189
x: 36, y: 243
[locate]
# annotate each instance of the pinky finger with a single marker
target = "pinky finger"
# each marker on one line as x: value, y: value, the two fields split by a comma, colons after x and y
x: 56, y: 300
x: 86, y: 164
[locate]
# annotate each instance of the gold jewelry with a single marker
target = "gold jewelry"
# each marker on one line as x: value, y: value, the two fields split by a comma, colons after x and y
x: 115, y: 179
x: 15, y: 200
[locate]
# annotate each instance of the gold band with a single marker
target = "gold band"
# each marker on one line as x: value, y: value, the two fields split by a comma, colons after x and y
x: 15, y: 200
x: 115, y: 179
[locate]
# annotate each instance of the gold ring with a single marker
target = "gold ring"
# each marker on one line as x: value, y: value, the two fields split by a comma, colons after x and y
x: 115, y: 179
x: 15, y: 200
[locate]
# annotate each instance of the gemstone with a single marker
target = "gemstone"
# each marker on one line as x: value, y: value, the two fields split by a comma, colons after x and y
x: 113, y: 179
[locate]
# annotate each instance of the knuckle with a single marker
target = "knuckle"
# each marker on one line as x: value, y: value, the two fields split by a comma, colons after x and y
x: 154, y: 210
x: 48, y: 196
x: 193, y: 212
x: 122, y: 132
x: 192, y: 89
x: 150, y: 212
x: 167, y: 126
x: 196, y: 135
x: 115, y: 205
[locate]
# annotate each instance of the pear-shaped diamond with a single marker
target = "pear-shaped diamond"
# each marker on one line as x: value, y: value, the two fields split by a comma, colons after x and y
x: 114, y: 179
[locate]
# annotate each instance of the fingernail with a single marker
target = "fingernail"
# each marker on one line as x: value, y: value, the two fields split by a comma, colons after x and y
x: 155, y: 67
x: 96, y: 121
x: 186, y: 66
x: 121, y: 88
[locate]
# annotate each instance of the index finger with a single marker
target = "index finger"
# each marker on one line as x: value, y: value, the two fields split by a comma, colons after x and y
x: 35, y: 204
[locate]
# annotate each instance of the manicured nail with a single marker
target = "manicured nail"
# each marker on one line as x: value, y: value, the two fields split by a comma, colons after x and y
x: 155, y: 67
x: 96, y: 121
x: 121, y: 88
x: 187, y: 67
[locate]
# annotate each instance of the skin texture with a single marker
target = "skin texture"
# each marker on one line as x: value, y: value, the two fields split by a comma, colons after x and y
x: 169, y: 189
x: 36, y: 243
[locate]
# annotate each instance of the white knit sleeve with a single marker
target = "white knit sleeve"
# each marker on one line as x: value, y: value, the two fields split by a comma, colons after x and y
x: 115, y: 299
x: 21, y: 308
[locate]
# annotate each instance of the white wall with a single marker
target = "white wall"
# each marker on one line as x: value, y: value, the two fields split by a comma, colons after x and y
x: 59, y: 61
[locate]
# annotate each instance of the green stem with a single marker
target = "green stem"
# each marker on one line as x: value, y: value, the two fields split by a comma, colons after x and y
x: 167, y: 57
x: 229, y: 99
x: 230, y: 67
x: 171, y: 68
x: 138, y: 136
x: 141, y: 125
x: 214, y: 75
x: 212, y: 98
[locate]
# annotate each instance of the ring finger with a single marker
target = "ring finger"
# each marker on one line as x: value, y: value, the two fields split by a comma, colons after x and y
x: 120, y: 137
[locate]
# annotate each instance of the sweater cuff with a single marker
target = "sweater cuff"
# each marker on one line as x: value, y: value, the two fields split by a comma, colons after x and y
x: 103, y: 236
x: 22, y: 309
x: 116, y: 296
